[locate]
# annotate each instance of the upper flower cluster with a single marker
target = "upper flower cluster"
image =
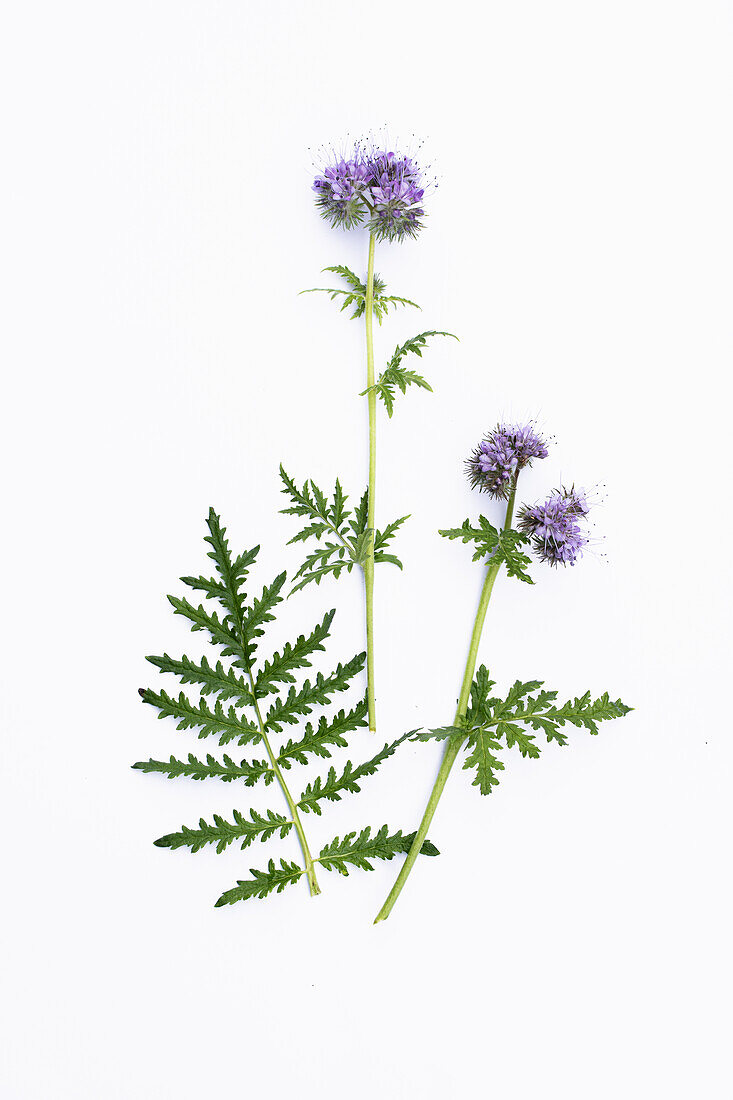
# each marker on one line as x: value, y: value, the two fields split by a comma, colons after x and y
x: 504, y: 452
x: 554, y: 526
x: 382, y: 186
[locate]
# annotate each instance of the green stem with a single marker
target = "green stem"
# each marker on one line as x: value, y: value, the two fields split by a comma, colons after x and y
x: 369, y: 561
x: 309, y: 861
x: 454, y: 744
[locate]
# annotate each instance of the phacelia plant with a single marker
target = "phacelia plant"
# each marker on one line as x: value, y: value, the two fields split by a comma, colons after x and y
x: 485, y: 725
x: 245, y: 701
x: 381, y: 191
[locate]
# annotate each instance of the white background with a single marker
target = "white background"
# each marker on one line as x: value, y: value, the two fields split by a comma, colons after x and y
x: 573, y: 940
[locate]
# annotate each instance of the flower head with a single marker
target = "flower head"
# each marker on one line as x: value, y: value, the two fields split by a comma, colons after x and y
x: 395, y: 194
x: 502, y: 454
x: 371, y: 182
x: 339, y: 189
x: 555, y: 526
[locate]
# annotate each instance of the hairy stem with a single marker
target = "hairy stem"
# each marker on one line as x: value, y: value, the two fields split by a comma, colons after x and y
x: 454, y: 744
x: 309, y: 861
x: 369, y: 561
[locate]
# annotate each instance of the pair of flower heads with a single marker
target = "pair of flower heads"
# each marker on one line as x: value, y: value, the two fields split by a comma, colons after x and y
x: 373, y: 187
x: 557, y: 527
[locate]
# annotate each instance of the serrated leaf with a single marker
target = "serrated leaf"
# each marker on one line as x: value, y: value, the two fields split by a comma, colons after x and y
x: 354, y: 294
x: 396, y: 377
x: 481, y: 756
x: 344, y: 539
x: 334, y: 786
x: 280, y: 667
x: 441, y: 733
x: 212, y: 678
x: 358, y: 850
x: 288, y: 710
x: 228, y: 689
x: 263, y: 883
x: 230, y: 573
x: 499, y: 547
x: 329, y: 732
x: 221, y: 631
x: 381, y: 538
x: 223, y: 833
x: 192, y: 768
x: 226, y: 724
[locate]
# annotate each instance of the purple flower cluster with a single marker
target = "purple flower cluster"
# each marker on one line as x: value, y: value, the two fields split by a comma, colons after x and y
x: 339, y: 191
x: 396, y: 194
x: 554, y: 526
x: 384, y: 186
x: 498, y: 458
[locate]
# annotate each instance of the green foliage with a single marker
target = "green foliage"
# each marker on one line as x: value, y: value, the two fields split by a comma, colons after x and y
x: 212, y: 678
x: 341, y: 532
x: 481, y: 756
x: 354, y: 294
x: 299, y: 702
x: 263, y: 883
x: 499, y: 546
x: 280, y: 667
x: 492, y: 724
x: 395, y: 376
x: 222, y: 833
x: 359, y: 850
x: 227, y: 724
x: 244, y: 699
x: 225, y: 769
x: 329, y: 731
x: 333, y: 786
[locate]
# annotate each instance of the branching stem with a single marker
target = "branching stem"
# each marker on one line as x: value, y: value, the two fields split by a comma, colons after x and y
x: 369, y: 560
x: 454, y: 744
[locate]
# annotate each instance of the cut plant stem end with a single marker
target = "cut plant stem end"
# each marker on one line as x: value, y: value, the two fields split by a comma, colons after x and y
x: 369, y: 562
x: 454, y: 744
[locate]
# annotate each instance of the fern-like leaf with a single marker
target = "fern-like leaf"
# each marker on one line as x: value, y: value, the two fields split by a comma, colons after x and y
x: 227, y: 725
x: 280, y: 667
x: 481, y: 756
x: 302, y: 701
x: 343, y: 535
x: 231, y: 573
x: 223, y: 833
x: 382, y: 538
x: 498, y: 546
x: 248, y: 770
x: 329, y: 732
x: 358, y: 850
x: 221, y: 631
x: 396, y: 377
x: 227, y: 706
x: 334, y: 786
x: 226, y: 683
x: 263, y: 883
x: 262, y: 608
x: 354, y: 294
x: 492, y: 724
